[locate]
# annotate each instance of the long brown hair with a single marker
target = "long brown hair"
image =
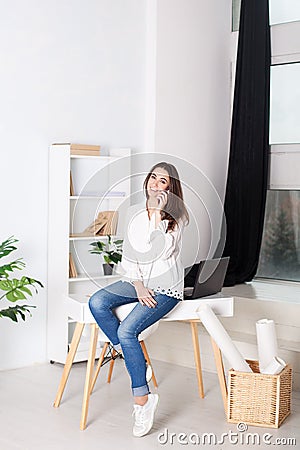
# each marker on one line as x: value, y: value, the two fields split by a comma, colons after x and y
x: 175, y: 208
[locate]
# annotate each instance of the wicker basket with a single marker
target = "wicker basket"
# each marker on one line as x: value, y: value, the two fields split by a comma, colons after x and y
x: 259, y: 399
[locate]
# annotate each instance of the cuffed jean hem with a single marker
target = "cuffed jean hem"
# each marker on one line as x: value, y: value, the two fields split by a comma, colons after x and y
x: 140, y: 391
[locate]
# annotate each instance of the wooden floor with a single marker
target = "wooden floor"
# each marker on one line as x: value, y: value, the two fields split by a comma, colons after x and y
x: 29, y: 422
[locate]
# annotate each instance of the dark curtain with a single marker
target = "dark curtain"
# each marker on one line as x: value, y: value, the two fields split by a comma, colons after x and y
x: 248, y: 160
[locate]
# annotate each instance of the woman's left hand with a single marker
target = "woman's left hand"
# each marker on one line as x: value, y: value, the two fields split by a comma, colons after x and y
x: 144, y: 294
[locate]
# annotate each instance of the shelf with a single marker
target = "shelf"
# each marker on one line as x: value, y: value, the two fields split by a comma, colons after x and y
x: 69, y: 215
x: 103, y: 157
x: 85, y: 277
x: 91, y: 238
x: 94, y: 197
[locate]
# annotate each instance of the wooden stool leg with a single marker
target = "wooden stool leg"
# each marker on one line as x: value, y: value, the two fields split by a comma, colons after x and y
x: 111, y: 366
x: 69, y: 361
x: 149, y: 362
x: 101, y: 359
x: 197, y: 357
x: 89, y: 375
x: 221, y: 374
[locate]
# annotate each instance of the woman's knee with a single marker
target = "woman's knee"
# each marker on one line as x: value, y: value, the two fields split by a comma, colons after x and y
x: 98, y: 300
x: 125, y: 332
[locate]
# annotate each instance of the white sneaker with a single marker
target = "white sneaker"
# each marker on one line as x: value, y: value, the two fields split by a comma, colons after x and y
x: 148, y: 373
x: 144, y: 416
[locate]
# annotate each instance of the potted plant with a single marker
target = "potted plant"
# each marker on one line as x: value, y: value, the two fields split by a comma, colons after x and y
x: 14, y: 289
x: 111, y: 251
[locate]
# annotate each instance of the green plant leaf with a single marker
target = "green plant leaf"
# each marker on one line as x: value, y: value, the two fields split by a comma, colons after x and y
x: 12, y: 312
x: 114, y: 257
x: 111, y: 250
x: 25, y: 289
x: 32, y: 281
x: 107, y: 259
x: 15, y: 295
x: 18, y: 264
x: 14, y: 289
x: 99, y: 247
x: 6, y: 247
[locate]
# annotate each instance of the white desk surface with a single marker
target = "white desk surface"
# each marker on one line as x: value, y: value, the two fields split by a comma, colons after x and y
x: 77, y: 308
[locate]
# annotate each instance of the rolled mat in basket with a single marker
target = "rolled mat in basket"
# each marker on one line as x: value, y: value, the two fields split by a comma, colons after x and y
x: 222, y: 339
x: 274, y: 367
x: 266, y: 342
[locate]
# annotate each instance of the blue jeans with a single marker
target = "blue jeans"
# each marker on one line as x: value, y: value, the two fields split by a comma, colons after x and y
x: 126, y: 333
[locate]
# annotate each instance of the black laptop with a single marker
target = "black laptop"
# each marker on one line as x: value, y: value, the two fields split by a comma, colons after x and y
x: 205, y: 278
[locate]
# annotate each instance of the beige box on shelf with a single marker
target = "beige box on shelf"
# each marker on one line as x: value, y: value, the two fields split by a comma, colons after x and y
x: 83, y: 149
x: 259, y: 399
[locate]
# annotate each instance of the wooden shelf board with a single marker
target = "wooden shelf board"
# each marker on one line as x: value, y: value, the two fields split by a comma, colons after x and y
x: 103, y: 157
x: 84, y: 277
x: 88, y: 238
x: 94, y: 197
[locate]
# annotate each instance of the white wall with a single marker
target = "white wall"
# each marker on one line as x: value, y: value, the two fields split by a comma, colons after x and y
x: 70, y: 71
x: 192, y: 115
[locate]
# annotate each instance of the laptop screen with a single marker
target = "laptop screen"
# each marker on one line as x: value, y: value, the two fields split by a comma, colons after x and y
x: 205, y: 278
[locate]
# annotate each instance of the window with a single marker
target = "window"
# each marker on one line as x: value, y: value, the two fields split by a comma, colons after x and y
x: 285, y: 104
x: 236, y: 8
x: 280, y: 251
x: 281, y: 11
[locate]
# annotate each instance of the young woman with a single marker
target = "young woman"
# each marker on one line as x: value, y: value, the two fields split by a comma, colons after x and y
x: 153, y: 279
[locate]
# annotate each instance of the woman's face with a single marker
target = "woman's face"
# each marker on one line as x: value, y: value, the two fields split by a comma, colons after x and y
x: 159, y: 181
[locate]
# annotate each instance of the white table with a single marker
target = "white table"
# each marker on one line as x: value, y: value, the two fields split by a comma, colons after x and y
x: 77, y: 308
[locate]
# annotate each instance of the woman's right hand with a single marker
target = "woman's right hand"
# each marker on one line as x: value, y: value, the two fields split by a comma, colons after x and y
x: 144, y: 295
x: 159, y: 201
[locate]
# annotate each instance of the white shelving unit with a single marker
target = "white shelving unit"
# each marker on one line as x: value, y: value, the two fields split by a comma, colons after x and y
x: 100, y: 183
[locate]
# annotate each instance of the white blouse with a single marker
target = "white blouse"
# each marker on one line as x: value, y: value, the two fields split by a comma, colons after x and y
x: 152, y: 254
